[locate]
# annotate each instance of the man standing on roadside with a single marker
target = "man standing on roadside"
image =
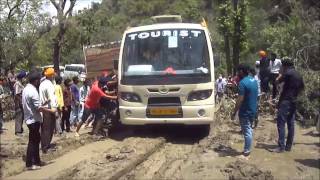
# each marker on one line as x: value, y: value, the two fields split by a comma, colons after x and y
x: 11, y: 79
x: 32, y: 108
x: 67, y: 98
x: 84, y: 92
x: 18, y: 88
x: 75, y: 103
x: 264, y: 71
x: 220, y: 88
x: 275, y: 66
x: 293, y: 85
x: 246, y: 105
x: 60, y: 103
x: 48, y: 100
x: 2, y: 96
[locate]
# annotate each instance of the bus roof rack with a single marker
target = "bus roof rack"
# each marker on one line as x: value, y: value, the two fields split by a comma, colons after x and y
x: 167, y: 19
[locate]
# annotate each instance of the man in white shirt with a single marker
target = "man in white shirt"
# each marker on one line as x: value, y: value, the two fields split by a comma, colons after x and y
x: 220, y: 87
x: 224, y: 81
x: 48, y: 100
x: 275, y: 66
x: 84, y: 92
x: 32, y: 108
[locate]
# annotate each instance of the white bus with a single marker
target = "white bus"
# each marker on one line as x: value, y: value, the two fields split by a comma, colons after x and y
x: 166, y: 75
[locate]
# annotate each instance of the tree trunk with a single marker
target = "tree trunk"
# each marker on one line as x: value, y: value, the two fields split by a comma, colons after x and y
x: 2, y: 57
x: 56, y: 56
x: 57, y: 48
x: 208, y: 4
x: 227, y: 52
x: 236, y: 38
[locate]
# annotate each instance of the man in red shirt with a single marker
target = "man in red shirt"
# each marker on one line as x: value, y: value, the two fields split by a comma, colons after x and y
x: 92, y: 104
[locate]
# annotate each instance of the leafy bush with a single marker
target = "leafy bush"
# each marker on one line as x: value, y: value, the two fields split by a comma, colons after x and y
x: 308, y: 102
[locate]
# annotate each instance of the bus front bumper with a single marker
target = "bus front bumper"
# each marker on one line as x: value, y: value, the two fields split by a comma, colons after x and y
x: 191, y: 116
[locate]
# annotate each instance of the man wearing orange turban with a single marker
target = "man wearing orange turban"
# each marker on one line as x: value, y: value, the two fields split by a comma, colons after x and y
x: 264, y: 71
x: 48, y: 100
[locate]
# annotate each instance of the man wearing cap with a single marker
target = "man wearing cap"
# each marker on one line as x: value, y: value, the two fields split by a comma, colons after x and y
x: 92, y: 104
x: 48, y: 100
x: 32, y: 108
x: 18, y: 88
x: 293, y: 85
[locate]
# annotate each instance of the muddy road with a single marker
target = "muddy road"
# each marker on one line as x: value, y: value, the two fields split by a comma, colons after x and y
x: 147, y: 151
x: 170, y: 152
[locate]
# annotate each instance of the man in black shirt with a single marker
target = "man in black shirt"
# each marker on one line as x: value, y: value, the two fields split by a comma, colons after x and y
x: 264, y: 71
x: 293, y: 85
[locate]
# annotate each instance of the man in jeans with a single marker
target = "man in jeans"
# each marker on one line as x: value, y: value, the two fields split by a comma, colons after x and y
x: 32, y: 108
x: 293, y: 85
x: 247, y: 106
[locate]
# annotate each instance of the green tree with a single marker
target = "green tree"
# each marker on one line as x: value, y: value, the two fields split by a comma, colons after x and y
x: 225, y: 26
x: 21, y: 26
x: 188, y: 9
x: 239, y: 30
x: 63, y: 14
x: 233, y: 23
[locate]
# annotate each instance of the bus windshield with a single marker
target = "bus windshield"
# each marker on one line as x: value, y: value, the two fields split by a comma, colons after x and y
x: 161, y: 52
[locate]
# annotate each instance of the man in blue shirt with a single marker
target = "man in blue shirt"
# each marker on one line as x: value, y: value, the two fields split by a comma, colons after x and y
x: 246, y: 105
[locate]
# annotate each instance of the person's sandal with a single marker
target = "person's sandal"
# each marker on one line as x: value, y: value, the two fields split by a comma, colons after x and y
x: 77, y: 134
x: 33, y: 167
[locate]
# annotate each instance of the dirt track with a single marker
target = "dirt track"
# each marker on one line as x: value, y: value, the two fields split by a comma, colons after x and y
x: 170, y: 152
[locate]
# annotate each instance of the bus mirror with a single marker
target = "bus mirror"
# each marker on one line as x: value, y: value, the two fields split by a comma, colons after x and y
x: 115, y: 64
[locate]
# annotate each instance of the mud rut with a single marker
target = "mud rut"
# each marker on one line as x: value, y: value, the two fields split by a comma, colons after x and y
x: 145, y: 153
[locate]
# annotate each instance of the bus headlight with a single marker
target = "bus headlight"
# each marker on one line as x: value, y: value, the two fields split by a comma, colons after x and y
x: 199, y: 95
x: 131, y: 97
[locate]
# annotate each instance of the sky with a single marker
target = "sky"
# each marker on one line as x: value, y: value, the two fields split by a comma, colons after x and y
x: 80, y: 4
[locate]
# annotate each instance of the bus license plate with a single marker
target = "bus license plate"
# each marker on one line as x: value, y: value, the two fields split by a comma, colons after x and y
x: 164, y: 111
